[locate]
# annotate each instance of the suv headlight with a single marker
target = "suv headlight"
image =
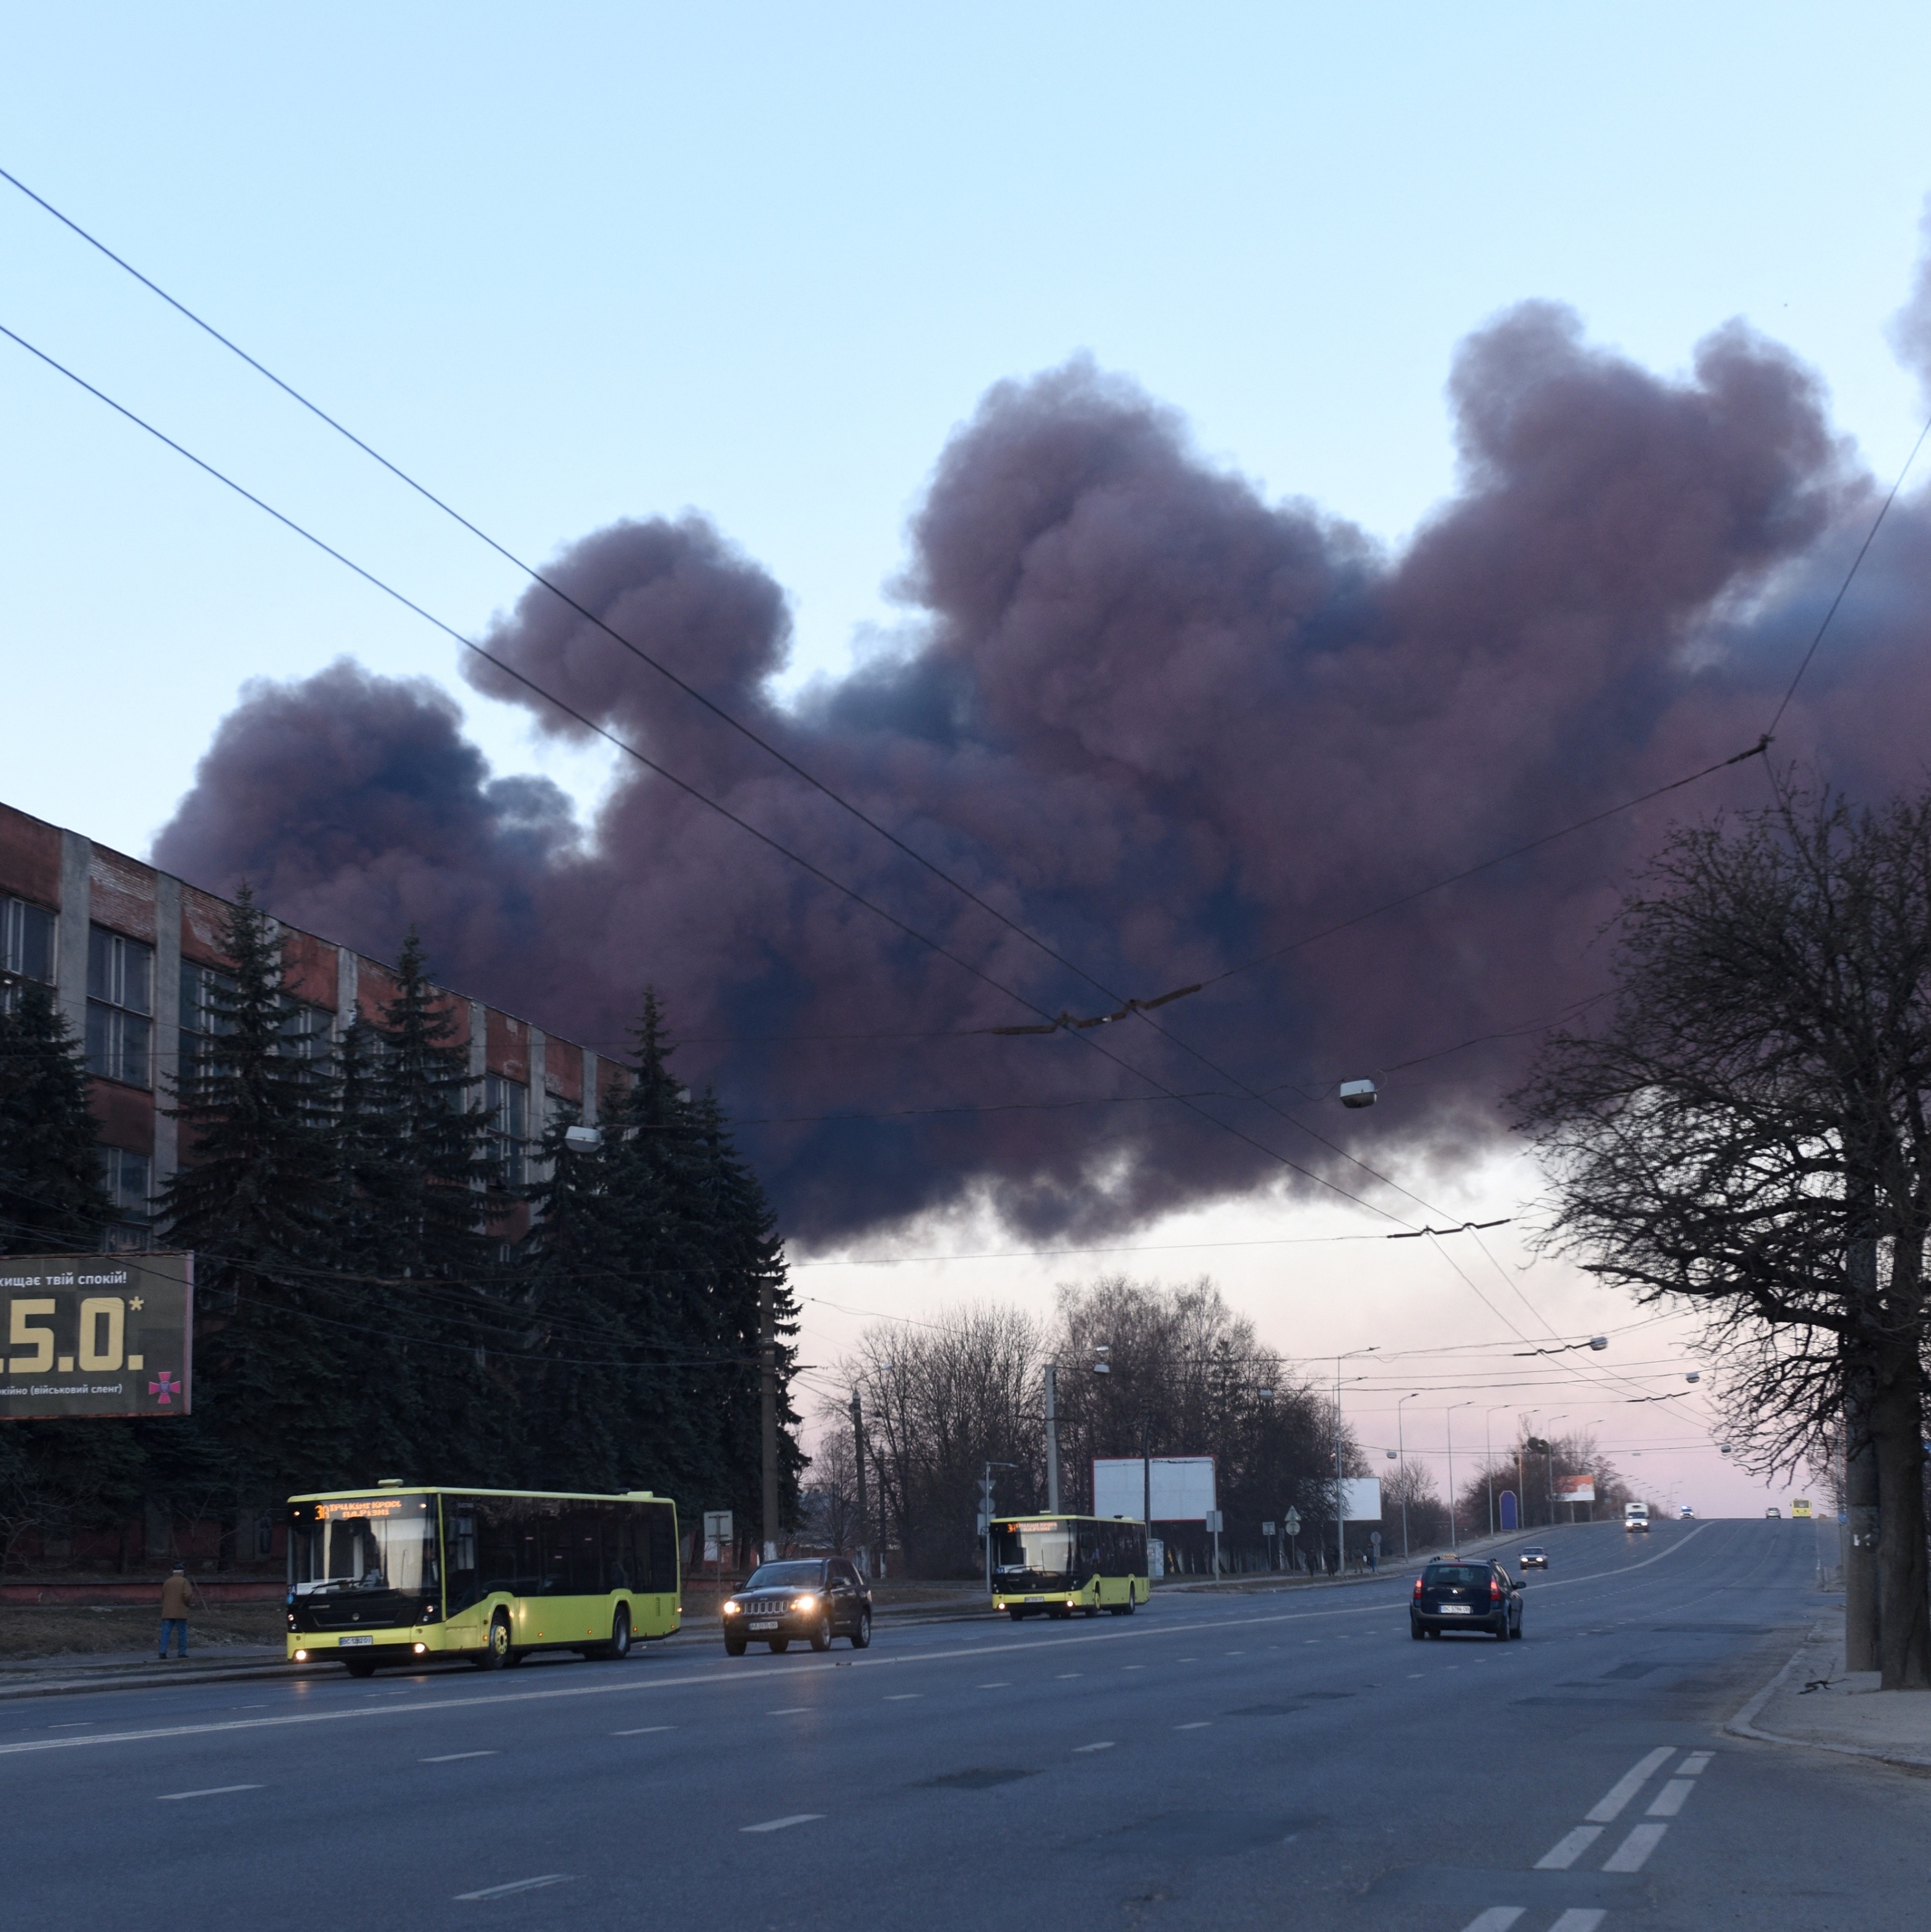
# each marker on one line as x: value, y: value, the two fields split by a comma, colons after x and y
x: 804, y: 1603
x: 732, y: 1608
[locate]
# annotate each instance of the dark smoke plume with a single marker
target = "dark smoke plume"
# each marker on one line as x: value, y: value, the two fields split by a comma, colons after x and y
x: 1165, y: 723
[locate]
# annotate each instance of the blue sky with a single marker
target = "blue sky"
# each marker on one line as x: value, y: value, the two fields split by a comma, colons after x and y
x: 578, y: 262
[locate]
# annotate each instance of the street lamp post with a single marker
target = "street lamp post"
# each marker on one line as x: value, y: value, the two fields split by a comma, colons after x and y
x: 1489, y: 1458
x: 1340, y: 1505
x: 1401, y: 1463
x: 1454, y: 1533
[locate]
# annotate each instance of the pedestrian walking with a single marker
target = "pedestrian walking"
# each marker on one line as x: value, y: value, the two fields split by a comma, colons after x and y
x: 178, y: 1593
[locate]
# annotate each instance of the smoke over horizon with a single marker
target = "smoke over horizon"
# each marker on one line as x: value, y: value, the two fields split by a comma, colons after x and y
x: 1160, y: 721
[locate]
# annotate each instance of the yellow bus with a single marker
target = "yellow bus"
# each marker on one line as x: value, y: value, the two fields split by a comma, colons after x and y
x: 1053, y: 1565
x: 397, y: 1575
x: 1800, y: 1508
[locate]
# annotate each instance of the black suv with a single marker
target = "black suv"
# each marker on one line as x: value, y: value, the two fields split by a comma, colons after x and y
x: 1465, y: 1593
x: 816, y: 1598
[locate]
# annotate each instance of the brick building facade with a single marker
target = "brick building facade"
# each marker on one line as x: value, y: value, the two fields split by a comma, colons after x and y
x: 131, y: 954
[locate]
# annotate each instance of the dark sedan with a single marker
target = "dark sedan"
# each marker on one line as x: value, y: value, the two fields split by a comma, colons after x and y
x: 814, y: 1599
x: 1465, y: 1594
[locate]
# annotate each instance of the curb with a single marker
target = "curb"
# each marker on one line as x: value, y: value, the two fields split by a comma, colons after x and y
x: 1743, y: 1724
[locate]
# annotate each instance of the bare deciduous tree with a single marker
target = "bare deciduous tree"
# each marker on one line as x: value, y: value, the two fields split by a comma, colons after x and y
x: 1748, y: 1132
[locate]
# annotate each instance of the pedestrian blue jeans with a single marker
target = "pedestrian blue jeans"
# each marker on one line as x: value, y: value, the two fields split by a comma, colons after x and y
x: 179, y: 1625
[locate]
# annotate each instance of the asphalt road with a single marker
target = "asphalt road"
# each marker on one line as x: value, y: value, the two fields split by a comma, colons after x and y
x: 1288, y: 1759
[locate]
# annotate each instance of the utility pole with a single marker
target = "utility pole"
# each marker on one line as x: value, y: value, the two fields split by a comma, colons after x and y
x: 864, y: 1538
x: 767, y: 1351
x: 1146, y: 1485
x: 1052, y: 1440
x: 1340, y: 1500
x: 1861, y: 1613
x: 1402, y: 1464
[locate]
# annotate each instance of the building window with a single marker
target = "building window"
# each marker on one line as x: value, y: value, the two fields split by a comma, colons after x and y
x: 305, y: 1033
x: 26, y: 947
x: 207, y: 1000
x: 129, y: 1181
x: 120, y: 1006
x: 508, y: 1102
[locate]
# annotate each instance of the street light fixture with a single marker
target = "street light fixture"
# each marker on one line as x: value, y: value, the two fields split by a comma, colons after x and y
x: 1340, y: 1504
x: 1401, y: 1462
x: 1454, y: 1534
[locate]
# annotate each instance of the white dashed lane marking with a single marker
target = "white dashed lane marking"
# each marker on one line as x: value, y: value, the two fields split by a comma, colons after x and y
x: 515, y: 1885
x: 1106, y: 1743
x: 450, y: 1757
x: 1566, y: 1851
x: 1626, y: 1787
x: 1633, y: 1852
x: 784, y: 1824
x: 643, y: 1730
x: 1668, y: 1801
x: 212, y: 1791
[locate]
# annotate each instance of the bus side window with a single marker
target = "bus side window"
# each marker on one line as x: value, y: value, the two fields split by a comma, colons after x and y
x: 1109, y: 1550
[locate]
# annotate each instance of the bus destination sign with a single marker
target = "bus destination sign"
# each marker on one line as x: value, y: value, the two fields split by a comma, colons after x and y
x: 97, y: 1335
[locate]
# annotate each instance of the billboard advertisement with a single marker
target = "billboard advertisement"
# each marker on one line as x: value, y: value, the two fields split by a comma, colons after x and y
x: 1183, y: 1487
x: 97, y: 1335
x: 1576, y: 1489
x: 1360, y: 1498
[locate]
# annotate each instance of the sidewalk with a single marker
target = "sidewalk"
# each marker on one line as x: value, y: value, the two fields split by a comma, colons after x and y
x: 1840, y: 1711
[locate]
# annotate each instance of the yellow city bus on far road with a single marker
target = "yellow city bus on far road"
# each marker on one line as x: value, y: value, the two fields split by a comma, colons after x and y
x: 1053, y: 1565
x: 1800, y: 1507
x: 398, y: 1574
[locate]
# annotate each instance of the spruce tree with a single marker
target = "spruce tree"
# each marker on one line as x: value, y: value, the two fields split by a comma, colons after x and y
x: 424, y: 1175
x: 51, y: 1197
x: 254, y: 1199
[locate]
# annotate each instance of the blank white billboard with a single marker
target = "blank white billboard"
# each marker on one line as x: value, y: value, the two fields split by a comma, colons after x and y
x: 1360, y: 1498
x: 1576, y: 1489
x: 1183, y: 1487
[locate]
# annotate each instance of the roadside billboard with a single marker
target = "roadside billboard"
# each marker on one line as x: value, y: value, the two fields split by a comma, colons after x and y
x: 97, y: 1335
x: 1576, y: 1489
x: 1183, y: 1487
x: 1360, y: 1498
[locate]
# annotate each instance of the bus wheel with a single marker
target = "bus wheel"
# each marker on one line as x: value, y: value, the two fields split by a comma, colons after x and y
x: 618, y: 1645
x: 496, y: 1647
x: 359, y: 1666
x: 820, y: 1633
x: 1131, y: 1604
x: 862, y: 1637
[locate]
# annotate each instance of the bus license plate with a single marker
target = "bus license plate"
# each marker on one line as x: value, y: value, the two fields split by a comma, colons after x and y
x: 354, y: 1642
x: 1035, y: 1600
x: 1455, y: 1610
x: 765, y: 1623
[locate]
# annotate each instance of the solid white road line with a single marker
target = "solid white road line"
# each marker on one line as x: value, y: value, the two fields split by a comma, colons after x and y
x: 1496, y: 1919
x: 1668, y: 1801
x: 212, y: 1791
x: 784, y: 1824
x: 1631, y: 1855
x: 516, y: 1885
x: 1580, y: 1919
x: 450, y: 1757
x: 1695, y: 1763
x: 1566, y: 1851
x: 1626, y: 1786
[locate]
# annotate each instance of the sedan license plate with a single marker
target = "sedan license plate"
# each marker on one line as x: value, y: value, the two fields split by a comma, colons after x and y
x: 352, y: 1642
x: 1455, y: 1610
x: 765, y: 1623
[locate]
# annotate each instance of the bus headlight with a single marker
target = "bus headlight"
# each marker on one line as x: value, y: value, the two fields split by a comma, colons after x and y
x: 421, y: 1649
x: 302, y: 1657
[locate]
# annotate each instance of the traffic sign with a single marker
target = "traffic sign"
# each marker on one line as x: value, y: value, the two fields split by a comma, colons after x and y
x: 1374, y: 1537
x: 1267, y: 1529
x: 1291, y: 1523
x: 717, y: 1526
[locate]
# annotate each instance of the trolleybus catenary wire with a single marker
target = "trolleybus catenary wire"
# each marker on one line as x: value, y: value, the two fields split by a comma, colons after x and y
x: 288, y: 523
x: 1124, y: 1006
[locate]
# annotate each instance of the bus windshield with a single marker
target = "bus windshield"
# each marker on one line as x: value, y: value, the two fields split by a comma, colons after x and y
x: 1036, y: 1549
x: 385, y: 1542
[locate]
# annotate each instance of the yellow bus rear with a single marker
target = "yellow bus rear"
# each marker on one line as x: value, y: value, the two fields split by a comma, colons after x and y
x: 1053, y: 1565
x: 398, y: 1574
